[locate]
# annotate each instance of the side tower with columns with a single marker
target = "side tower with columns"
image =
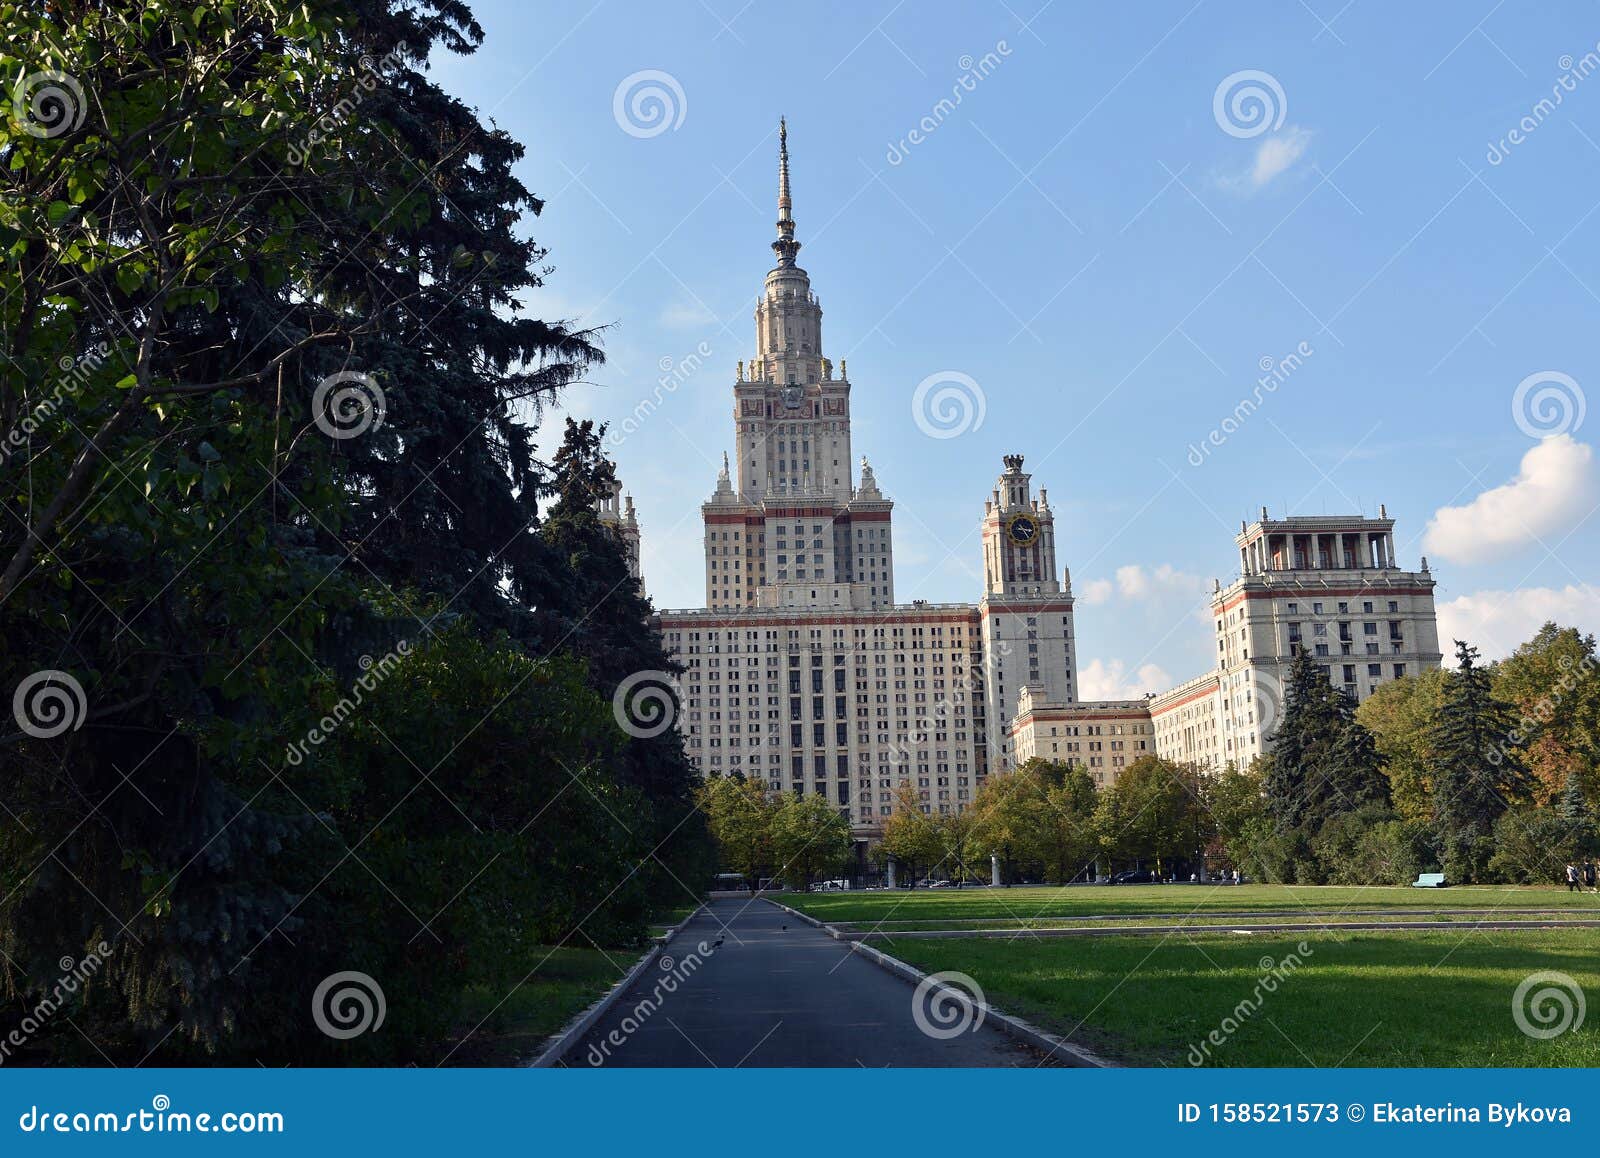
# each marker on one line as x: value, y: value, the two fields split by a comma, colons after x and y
x: 1329, y: 584
x: 616, y: 511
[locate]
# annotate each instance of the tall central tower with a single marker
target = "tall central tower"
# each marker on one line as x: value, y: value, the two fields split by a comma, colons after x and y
x: 789, y: 526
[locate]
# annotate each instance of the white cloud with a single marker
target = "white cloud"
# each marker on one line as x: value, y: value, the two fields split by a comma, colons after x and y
x: 1277, y: 153
x: 1099, y: 680
x: 1497, y: 622
x: 1097, y: 591
x: 1135, y: 582
x: 1552, y: 491
x: 1275, y: 156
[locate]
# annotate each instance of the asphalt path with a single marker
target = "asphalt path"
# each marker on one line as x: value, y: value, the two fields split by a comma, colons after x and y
x: 778, y: 992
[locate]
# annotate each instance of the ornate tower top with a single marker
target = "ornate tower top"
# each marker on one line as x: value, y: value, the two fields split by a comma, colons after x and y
x: 786, y: 247
x: 1013, y: 463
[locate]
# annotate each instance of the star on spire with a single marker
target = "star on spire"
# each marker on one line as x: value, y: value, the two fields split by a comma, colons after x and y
x: 786, y: 246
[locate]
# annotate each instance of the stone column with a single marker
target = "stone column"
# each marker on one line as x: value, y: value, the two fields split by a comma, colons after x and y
x: 891, y: 872
x: 994, y: 869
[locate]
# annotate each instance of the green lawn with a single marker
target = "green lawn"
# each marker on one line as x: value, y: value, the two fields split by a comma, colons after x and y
x: 933, y: 905
x: 566, y: 984
x: 1358, y: 999
x: 1321, y: 918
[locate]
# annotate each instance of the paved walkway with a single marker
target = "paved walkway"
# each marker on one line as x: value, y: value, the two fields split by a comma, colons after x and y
x: 772, y: 995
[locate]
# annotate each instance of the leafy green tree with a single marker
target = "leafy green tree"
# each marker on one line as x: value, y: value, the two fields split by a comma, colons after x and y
x: 1234, y: 801
x: 1400, y: 715
x: 740, y: 816
x: 1002, y: 815
x: 909, y: 834
x: 1550, y: 682
x: 1152, y: 811
x: 1041, y: 813
x: 956, y: 836
x: 810, y: 837
x: 1531, y: 845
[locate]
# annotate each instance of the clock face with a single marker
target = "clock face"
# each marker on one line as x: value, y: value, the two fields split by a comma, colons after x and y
x: 792, y: 396
x: 1022, y: 529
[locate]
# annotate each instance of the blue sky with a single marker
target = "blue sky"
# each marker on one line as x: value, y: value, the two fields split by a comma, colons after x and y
x: 1110, y: 250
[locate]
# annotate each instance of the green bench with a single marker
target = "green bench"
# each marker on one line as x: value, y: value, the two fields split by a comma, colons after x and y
x: 1428, y: 881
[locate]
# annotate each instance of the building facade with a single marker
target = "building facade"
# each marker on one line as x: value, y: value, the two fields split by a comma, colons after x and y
x: 803, y: 671
x: 1328, y: 584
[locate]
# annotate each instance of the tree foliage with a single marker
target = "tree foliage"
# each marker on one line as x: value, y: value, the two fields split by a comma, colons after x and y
x: 1480, y: 770
x: 270, y: 398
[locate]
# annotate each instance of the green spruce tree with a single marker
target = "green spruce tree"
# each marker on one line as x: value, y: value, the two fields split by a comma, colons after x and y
x: 1480, y: 773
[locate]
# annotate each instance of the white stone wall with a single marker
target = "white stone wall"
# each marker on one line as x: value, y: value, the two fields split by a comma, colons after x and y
x: 1102, y: 737
x: 845, y: 705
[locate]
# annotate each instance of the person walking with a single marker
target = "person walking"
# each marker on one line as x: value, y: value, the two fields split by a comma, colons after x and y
x: 1572, y: 877
x: 1588, y: 874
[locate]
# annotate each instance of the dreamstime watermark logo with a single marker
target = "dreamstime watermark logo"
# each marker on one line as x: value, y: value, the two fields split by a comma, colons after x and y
x: 48, y: 103
x: 674, y: 373
x: 348, y: 1004
x: 649, y: 102
x: 48, y: 703
x: 1547, y: 404
x: 1547, y: 1004
x: 973, y: 72
x: 75, y: 975
x: 1274, y: 373
x: 948, y: 404
x: 674, y: 973
x: 347, y: 404
x: 947, y: 1005
x: 1572, y: 71
x: 1273, y: 973
x: 645, y: 704
x: 1248, y: 103
x: 374, y: 672
x: 1267, y: 695
x: 372, y: 75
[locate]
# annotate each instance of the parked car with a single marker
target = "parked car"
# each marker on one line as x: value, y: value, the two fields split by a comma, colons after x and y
x: 1134, y: 877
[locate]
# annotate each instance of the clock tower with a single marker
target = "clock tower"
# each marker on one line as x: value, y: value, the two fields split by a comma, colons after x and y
x: 1026, y: 611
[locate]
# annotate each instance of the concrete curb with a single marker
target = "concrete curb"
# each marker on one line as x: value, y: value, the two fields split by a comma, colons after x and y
x: 1014, y: 1026
x: 574, y: 1030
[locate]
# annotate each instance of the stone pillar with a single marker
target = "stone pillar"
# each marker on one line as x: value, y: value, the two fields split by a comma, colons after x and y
x: 994, y: 869
x: 890, y: 868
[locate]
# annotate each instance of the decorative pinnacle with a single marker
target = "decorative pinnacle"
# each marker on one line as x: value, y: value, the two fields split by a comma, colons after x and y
x: 786, y: 246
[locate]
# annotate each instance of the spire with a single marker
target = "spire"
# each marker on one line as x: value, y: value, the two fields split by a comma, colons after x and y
x: 786, y: 246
